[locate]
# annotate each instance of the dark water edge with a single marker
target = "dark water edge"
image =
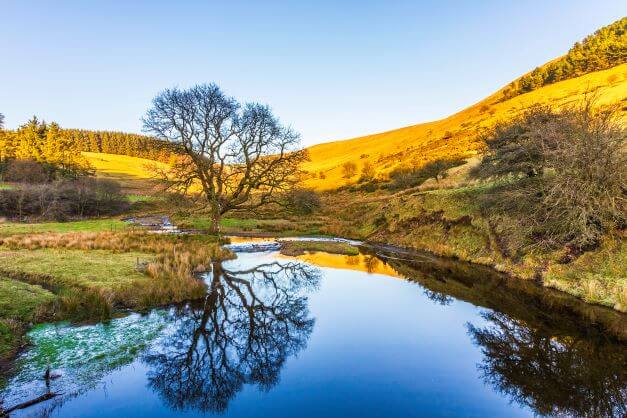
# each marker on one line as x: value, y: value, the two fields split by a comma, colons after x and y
x: 486, y: 287
x: 530, y: 350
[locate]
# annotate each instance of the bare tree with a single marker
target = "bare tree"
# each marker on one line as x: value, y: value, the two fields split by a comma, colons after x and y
x: 1, y: 121
x: 235, y: 157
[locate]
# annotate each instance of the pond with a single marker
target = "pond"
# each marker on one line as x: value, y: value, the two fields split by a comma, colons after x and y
x: 380, y: 334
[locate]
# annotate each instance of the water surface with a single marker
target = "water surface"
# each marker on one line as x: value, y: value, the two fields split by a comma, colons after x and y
x: 381, y: 334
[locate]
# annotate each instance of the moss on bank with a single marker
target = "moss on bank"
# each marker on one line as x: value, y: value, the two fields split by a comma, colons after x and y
x: 274, y: 227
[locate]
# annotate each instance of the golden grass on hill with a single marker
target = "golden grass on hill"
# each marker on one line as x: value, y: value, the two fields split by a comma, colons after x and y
x: 456, y: 135
x: 122, y: 166
x: 134, y: 173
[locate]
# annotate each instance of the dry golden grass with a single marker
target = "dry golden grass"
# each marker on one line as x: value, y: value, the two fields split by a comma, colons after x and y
x: 456, y: 135
x: 122, y: 166
x: 136, y: 175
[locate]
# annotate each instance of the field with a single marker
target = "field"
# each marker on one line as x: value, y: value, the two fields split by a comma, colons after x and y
x: 137, y: 175
x: 89, y: 225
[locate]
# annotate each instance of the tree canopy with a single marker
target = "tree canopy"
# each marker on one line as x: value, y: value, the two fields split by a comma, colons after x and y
x: 235, y: 156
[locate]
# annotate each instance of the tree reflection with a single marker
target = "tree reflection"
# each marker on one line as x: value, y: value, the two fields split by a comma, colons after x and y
x: 250, y: 323
x: 567, y: 376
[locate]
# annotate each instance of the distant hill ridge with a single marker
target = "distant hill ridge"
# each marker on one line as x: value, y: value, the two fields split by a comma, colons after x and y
x: 604, y: 49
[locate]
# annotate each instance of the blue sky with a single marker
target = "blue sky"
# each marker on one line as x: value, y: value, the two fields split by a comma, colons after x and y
x: 330, y: 69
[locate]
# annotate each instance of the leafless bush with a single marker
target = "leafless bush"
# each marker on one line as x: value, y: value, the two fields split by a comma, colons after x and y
x: 574, y: 164
x: 63, y: 199
x: 25, y: 171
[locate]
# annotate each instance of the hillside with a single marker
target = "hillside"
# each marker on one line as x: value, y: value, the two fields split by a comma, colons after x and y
x: 455, y: 135
x: 135, y: 174
x: 604, y: 49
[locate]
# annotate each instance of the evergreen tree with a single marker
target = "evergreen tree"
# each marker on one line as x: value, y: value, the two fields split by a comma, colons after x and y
x: 606, y: 48
x: 29, y: 140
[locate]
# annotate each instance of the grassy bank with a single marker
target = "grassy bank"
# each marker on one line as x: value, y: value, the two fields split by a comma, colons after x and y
x: 451, y: 223
x: 90, y: 275
x: 33, y: 301
x: 288, y: 226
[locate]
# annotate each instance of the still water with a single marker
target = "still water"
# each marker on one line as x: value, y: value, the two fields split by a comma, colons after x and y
x: 382, y: 334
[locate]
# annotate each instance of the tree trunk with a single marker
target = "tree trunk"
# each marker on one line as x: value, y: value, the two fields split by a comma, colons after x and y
x: 215, y: 221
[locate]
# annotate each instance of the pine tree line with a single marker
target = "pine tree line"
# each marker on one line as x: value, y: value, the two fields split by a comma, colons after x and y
x: 604, y: 49
x: 61, y: 148
x: 122, y: 143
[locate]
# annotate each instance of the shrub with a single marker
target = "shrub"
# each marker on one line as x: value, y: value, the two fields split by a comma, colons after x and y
x: 573, y: 165
x: 349, y: 169
x: 367, y: 171
x: 35, y: 172
x: 405, y: 178
x: 305, y: 201
x: 26, y: 171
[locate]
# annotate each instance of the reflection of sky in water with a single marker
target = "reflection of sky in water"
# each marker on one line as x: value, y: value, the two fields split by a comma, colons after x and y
x: 379, y: 347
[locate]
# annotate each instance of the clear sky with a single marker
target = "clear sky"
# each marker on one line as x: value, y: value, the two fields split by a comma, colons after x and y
x: 330, y: 69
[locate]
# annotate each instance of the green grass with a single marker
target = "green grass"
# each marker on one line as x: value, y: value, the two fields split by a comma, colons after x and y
x: 91, y: 225
x: 294, y: 248
x: 19, y: 303
x: 5, y: 186
x: 275, y: 227
x: 89, y: 275
x: 140, y: 198
x: 598, y: 276
x: 28, y: 297
x: 76, y: 268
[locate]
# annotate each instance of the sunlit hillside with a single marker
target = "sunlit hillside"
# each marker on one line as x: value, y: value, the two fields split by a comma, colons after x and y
x: 132, y: 172
x: 456, y: 135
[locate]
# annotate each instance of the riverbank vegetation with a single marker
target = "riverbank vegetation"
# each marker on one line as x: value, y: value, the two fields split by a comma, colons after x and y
x: 91, y: 275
